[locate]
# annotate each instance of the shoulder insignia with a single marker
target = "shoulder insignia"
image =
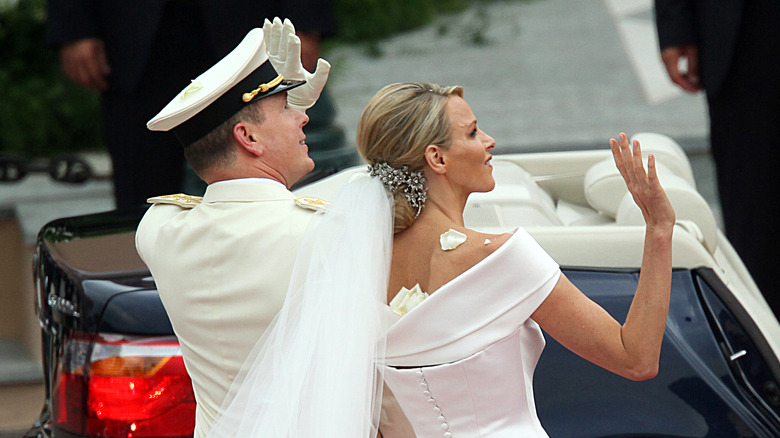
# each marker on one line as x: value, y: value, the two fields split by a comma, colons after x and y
x: 180, y: 199
x: 311, y: 203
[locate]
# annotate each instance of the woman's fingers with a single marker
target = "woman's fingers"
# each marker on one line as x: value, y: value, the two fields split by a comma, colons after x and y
x: 638, y: 165
x: 613, y: 146
x: 627, y: 162
x: 630, y: 165
x: 643, y: 185
x: 641, y: 176
x: 617, y: 155
x: 628, y: 158
x: 652, y: 174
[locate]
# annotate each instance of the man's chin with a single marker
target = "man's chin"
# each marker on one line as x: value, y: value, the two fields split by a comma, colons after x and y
x: 309, y: 169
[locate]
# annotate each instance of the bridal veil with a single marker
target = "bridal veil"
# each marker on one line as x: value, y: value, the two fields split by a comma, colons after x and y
x: 317, y: 370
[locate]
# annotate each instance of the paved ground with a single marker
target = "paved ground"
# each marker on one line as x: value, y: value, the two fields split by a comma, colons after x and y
x: 552, y: 74
x: 19, y: 406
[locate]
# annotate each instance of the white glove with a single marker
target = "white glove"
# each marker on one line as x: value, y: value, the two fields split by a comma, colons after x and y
x: 284, y: 52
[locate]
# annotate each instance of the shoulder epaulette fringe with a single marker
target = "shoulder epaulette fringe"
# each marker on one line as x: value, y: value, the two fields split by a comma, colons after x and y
x: 311, y: 203
x: 180, y: 199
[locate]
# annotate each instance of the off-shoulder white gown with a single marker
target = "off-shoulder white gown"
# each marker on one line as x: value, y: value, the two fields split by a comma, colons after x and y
x: 461, y: 363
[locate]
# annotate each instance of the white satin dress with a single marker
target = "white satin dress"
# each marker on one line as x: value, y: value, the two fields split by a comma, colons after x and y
x: 461, y: 363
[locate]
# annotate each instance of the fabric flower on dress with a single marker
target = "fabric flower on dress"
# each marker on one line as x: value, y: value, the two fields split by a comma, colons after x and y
x: 407, y: 299
x: 451, y: 239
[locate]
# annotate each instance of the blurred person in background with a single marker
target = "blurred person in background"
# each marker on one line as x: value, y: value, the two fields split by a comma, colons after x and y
x: 138, y: 54
x: 731, y: 50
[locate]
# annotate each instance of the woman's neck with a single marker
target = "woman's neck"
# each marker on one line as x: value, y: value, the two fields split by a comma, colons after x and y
x: 444, y: 204
x: 441, y: 214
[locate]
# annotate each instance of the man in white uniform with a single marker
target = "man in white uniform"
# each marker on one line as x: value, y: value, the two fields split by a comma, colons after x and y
x: 222, y: 263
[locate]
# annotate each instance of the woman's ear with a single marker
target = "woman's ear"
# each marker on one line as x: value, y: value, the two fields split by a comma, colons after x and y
x: 246, y: 139
x: 434, y: 156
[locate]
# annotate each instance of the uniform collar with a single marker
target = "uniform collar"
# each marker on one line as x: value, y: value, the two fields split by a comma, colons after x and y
x: 247, y: 189
x: 251, y: 180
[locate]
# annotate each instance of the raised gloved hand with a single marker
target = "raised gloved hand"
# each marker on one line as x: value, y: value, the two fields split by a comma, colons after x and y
x: 284, y: 52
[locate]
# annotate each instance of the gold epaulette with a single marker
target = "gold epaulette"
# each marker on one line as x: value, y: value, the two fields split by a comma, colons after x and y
x: 180, y: 199
x: 311, y: 203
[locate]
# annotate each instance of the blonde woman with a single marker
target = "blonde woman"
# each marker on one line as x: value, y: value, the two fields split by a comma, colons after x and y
x: 474, y: 341
x: 459, y: 348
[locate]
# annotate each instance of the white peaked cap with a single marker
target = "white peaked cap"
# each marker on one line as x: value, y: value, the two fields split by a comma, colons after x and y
x: 238, y: 79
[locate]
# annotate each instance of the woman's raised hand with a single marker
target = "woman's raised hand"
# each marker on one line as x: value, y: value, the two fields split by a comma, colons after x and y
x: 644, y: 186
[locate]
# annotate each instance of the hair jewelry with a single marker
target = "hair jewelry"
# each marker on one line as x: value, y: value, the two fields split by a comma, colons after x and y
x: 412, y: 182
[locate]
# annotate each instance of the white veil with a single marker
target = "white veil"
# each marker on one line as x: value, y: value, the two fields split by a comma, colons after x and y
x: 316, y: 371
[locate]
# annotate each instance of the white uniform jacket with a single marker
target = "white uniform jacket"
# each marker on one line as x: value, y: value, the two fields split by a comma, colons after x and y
x: 222, y: 267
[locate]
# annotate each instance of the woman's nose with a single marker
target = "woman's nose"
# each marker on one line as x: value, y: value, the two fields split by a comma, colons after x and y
x: 491, y: 143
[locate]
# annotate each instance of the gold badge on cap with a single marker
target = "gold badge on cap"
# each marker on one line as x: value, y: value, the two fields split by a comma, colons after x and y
x: 191, y: 89
x: 262, y: 88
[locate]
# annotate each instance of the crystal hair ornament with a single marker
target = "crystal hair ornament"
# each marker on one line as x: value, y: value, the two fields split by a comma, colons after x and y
x: 411, y: 182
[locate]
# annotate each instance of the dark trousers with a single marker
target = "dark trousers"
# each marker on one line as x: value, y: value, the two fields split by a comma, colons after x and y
x: 147, y: 163
x: 745, y: 138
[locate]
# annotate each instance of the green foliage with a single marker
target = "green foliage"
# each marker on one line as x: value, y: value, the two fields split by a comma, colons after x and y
x: 41, y: 112
x: 370, y: 20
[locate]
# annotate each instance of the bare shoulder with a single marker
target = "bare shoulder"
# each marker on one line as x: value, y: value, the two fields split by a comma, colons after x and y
x: 479, y: 244
x: 494, y: 241
x: 476, y: 247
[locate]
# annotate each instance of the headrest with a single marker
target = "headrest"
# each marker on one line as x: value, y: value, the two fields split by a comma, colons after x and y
x: 667, y: 151
x: 689, y: 206
x: 605, y: 188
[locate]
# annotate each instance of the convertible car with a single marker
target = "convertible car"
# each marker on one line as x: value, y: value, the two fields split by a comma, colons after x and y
x: 113, y: 367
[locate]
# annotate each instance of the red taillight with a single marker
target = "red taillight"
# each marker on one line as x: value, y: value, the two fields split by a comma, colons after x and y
x: 129, y: 387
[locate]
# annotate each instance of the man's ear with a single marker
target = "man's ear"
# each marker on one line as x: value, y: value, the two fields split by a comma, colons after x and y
x: 247, y: 139
x: 434, y: 156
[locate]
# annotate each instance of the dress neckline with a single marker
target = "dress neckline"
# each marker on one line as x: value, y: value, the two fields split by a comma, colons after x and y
x: 477, y: 265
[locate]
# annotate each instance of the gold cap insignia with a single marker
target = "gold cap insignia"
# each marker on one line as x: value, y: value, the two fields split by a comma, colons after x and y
x: 191, y: 89
x: 262, y: 88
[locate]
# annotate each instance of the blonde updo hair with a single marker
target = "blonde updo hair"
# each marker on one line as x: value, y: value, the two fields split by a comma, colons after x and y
x: 398, y: 123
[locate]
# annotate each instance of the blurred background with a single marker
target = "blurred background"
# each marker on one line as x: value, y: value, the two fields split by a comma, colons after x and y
x: 540, y: 75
